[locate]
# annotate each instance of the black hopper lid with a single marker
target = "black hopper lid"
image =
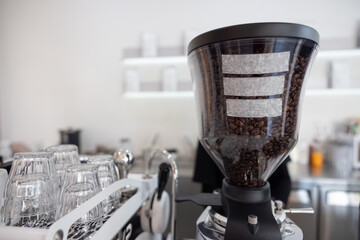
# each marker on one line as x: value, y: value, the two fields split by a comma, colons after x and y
x: 255, y: 30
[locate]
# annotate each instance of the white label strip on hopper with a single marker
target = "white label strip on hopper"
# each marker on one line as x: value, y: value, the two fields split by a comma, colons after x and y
x: 254, y: 108
x: 262, y: 86
x: 256, y: 63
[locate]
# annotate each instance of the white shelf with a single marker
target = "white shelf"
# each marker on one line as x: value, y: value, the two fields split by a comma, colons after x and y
x: 150, y: 71
x: 157, y: 95
x: 332, y: 92
x: 190, y: 94
x: 332, y: 54
x: 142, y: 61
x: 175, y: 60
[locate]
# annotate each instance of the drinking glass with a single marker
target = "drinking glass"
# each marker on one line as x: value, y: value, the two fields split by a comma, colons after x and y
x: 107, y: 175
x: 80, y: 184
x: 31, y: 195
x: 64, y: 155
x: 3, y: 180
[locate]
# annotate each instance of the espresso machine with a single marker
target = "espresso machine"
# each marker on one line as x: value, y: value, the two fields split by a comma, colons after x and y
x: 249, y: 81
x: 142, y: 212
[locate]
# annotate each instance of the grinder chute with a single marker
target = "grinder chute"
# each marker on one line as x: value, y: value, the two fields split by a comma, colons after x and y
x: 249, y: 81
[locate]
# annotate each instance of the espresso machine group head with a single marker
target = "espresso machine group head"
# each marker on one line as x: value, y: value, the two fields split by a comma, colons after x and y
x: 249, y: 81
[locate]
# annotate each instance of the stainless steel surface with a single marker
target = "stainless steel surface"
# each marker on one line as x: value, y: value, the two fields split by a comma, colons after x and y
x: 175, y: 176
x: 170, y: 158
x: 339, y: 212
x: 128, y: 191
x: 123, y: 160
x: 325, y: 175
x: 304, y: 194
x: 278, y: 204
x: 207, y: 228
x: 210, y: 226
x: 290, y: 231
x: 217, y: 218
x: 59, y: 235
x: 300, y: 210
x: 252, y: 219
x: 308, y: 186
x: 185, y: 166
x: 334, y: 195
x: 299, y: 173
x: 187, y: 212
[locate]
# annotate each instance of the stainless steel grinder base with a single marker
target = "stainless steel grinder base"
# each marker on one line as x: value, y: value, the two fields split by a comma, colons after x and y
x: 211, y: 226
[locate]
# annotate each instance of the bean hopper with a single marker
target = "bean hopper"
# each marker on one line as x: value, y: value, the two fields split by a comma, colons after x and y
x: 249, y: 81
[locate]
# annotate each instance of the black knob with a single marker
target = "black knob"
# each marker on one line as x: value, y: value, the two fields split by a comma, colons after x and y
x: 164, y: 172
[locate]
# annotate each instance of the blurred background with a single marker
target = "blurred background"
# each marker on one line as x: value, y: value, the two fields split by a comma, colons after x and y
x: 114, y: 74
x: 63, y: 64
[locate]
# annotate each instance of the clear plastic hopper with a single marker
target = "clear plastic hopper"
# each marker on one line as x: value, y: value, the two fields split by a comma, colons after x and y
x: 249, y: 81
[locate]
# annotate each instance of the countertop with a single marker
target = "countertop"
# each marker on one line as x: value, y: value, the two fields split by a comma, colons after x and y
x: 324, y: 175
x: 298, y: 172
x: 185, y: 166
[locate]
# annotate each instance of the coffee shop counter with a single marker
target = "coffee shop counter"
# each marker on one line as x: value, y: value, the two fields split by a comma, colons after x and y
x: 326, y: 174
x: 333, y: 193
x: 185, y: 166
x: 298, y: 172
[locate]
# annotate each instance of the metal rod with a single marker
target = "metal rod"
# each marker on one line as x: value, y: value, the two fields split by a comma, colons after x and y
x: 300, y: 210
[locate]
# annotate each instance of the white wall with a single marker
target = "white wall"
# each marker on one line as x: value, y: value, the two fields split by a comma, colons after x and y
x: 60, y: 62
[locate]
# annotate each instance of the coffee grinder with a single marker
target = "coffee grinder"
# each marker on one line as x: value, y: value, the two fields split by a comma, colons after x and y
x: 249, y: 81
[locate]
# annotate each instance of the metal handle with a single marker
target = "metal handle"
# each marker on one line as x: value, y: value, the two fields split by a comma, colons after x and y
x: 300, y: 210
x: 123, y: 160
x: 164, y: 172
x: 171, y: 160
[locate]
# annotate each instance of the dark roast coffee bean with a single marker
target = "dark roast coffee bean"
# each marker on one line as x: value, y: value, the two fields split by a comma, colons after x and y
x: 250, y: 147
